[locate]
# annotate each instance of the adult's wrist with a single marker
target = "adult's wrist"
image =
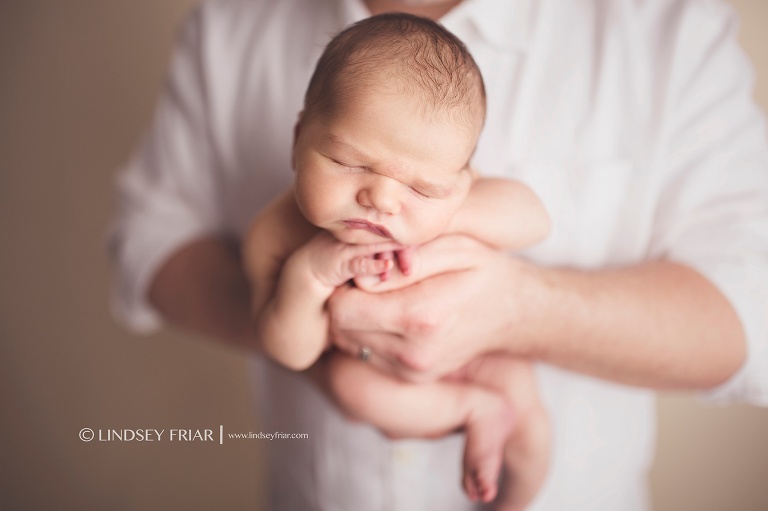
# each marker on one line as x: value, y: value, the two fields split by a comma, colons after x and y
x: 538, y: 307
x: 657, y: 324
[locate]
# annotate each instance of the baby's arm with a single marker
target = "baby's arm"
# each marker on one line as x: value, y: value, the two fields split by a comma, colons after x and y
x: 293, y: 325
x: 502, y: 213
x: 291, y: 285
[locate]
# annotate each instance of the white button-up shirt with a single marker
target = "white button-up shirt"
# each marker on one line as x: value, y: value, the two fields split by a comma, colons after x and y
x: 632, y: 120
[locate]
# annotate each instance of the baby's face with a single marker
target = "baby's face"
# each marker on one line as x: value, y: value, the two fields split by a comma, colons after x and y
x: 382, y: 168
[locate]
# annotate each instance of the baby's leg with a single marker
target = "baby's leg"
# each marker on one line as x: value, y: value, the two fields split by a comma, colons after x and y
x: 526, y: 453
x: 402, y: 409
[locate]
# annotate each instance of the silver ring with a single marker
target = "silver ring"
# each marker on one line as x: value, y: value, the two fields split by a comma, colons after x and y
x: 365, y: 354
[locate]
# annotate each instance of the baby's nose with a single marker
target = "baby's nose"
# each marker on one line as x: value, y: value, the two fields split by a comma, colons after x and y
x: 380, y: 195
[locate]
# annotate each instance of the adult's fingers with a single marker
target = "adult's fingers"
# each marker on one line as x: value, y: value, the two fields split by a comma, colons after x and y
x: 446, y: 254
x: 354, y: 310
x: 379, y: 347
x: 378, y: 322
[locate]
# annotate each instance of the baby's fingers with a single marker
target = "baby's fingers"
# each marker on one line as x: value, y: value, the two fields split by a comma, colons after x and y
x: 404, y: 258
x: 367, y: 266
x: 386, y: 256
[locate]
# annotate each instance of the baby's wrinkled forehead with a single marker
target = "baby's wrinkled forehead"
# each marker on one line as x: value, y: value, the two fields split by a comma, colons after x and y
x: 465, y: 109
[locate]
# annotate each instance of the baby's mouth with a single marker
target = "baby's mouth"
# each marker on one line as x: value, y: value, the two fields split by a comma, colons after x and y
x: 365, y: 225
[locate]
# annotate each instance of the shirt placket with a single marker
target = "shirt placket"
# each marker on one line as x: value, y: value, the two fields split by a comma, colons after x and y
x: 406, y: 469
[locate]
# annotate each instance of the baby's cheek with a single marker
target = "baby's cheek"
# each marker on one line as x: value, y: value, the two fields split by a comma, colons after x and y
x: 430, y: 229
x: 312, y: 207
x: 437, y: 218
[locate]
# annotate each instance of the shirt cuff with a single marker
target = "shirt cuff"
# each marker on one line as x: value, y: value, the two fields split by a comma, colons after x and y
x: 745, y: 285
x: 138, y: 251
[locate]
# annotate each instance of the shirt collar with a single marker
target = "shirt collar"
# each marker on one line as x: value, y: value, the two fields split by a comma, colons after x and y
x: 504, y: 24
x: 350, y: 11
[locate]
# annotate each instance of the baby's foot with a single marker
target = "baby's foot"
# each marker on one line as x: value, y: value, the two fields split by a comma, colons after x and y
x: 487, y: 432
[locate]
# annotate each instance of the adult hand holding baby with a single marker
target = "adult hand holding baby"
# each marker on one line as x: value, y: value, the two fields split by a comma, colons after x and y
x: 460, y: 300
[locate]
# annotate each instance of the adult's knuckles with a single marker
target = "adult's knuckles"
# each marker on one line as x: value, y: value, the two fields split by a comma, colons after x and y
x: 348, y: 310
x: 338, y: 311
x: 419, y: 322
x: 419, y: 361
x: 449, y: 253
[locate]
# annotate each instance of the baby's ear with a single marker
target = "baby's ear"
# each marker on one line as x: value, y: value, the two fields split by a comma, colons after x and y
x: 297, y: 126
x: 296, y: 131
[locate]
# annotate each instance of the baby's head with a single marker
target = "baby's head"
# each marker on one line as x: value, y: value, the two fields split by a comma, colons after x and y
x: 399, y: 54
x: 391, y: 118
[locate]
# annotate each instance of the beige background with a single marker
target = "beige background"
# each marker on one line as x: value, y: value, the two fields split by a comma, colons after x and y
x: 78, y: 80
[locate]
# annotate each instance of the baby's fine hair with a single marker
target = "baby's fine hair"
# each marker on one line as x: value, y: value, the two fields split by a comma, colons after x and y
x: 418, y: 54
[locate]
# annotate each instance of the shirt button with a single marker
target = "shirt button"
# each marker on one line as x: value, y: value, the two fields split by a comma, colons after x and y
x: 403, y: 455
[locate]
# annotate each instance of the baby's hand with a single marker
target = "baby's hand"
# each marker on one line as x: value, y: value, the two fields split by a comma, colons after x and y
x: 333, y: 263
x: 404, y: 259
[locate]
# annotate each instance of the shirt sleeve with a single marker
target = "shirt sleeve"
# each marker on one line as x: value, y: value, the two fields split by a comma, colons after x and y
x: 165, y: 194
x: 713, y: 212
